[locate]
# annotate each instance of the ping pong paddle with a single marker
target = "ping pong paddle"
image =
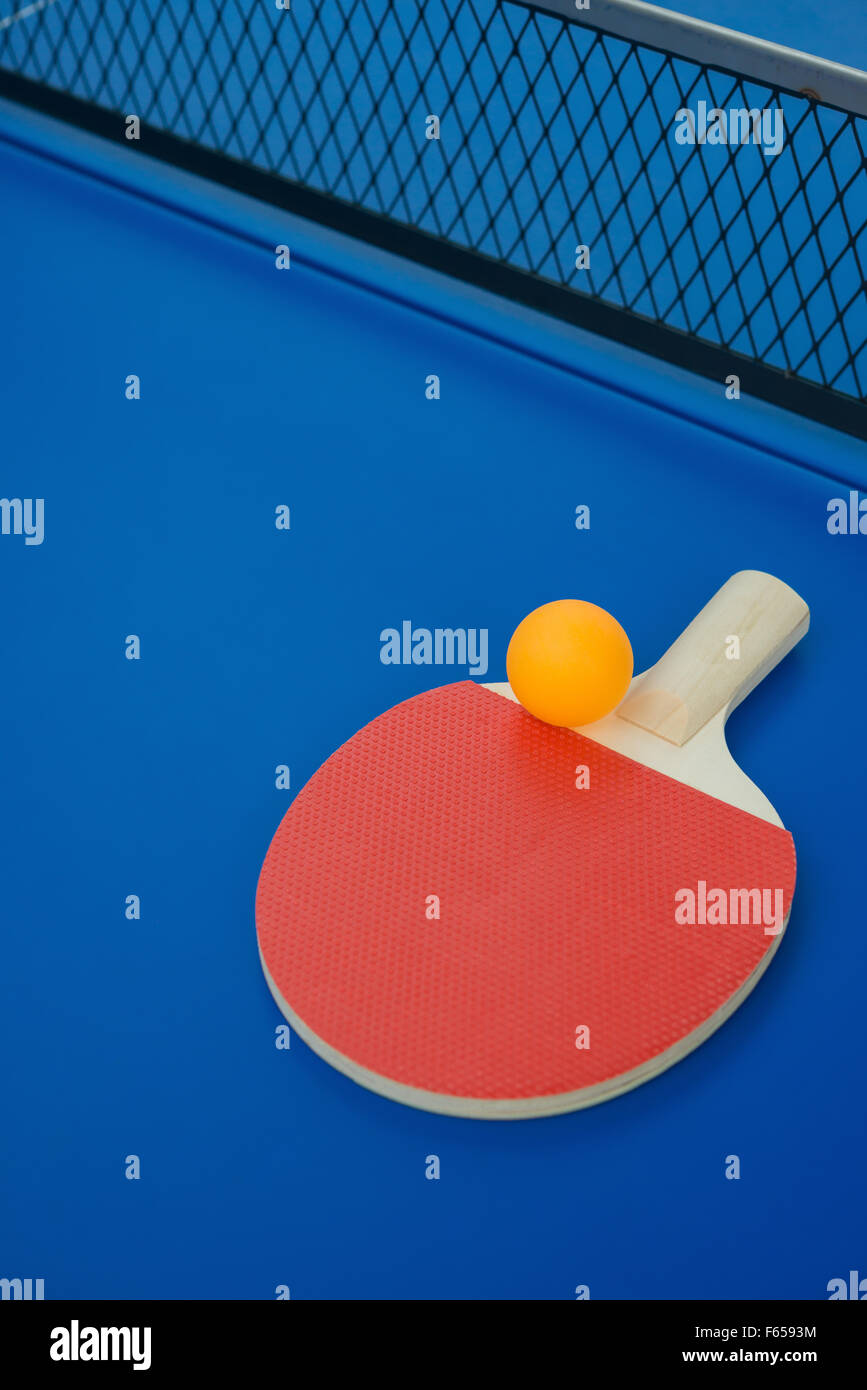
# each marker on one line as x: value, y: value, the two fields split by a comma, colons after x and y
x: 473, y: 912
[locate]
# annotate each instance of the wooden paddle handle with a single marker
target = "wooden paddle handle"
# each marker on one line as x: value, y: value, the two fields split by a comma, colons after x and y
x: 738, y: 637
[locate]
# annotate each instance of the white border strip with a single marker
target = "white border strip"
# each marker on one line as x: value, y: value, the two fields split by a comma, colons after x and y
x: 25, y: 13
x: 832, y: 83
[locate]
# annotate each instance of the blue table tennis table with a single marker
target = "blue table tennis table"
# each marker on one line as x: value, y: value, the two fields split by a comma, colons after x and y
x: 245, y: 477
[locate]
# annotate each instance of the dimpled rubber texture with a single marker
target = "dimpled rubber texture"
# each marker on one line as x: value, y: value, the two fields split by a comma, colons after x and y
x: 557, y: 905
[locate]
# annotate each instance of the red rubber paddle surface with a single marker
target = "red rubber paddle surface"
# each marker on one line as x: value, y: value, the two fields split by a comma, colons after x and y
x: 557, y: 905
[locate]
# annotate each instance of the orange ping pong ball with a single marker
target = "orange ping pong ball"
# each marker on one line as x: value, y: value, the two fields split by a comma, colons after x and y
x: 569, y: 662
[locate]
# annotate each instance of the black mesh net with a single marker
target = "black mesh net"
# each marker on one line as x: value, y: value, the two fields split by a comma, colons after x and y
x: 552, y: 135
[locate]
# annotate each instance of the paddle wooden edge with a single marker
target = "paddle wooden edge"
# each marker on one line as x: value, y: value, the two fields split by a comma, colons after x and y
x: 522, y: 1107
